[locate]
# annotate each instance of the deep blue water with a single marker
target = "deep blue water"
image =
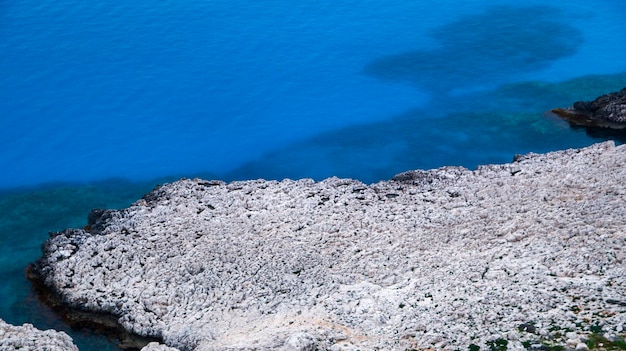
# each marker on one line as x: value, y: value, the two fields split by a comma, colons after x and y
x: 139, y: 90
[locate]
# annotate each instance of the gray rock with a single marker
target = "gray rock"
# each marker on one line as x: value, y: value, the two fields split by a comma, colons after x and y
x: 300, y: 342
x: 434, y: 259
x: 155, y: 346
x: 27, y: 338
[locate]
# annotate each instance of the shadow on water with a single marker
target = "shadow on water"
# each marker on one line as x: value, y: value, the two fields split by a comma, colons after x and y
x: 619, y: 135
x: 484, y: 49
x: 469, y: 130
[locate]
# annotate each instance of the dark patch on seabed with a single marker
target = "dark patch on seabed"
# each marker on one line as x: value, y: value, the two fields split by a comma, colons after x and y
x: 484, y: 48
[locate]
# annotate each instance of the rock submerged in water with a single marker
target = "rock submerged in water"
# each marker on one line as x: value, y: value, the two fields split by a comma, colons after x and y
x: 438, y: 259
x: 607, y: 111
x: 28, y: 338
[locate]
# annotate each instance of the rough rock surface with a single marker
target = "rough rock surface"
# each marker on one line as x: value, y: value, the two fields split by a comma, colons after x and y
x: 527, y: 252
x: 27, y: 338
x: 155, y: 346
x: 607, y: 111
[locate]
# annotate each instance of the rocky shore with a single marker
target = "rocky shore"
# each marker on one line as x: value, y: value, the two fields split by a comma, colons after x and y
x: 28, y: 338
x: 522, y: 255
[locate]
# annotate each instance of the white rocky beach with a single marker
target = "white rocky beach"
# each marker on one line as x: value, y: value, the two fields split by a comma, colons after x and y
x: 28, y: 338
x: 529, y: 254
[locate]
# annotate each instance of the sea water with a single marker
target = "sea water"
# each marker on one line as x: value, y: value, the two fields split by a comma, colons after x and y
x: 99, y: 99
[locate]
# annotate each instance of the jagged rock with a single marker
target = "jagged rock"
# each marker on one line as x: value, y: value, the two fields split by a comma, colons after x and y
x: 300, y: 342
x: 607, y: 111
x: 439, y: 259
x: 28, y: 338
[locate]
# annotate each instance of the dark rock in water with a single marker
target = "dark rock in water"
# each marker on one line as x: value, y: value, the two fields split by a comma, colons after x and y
x: 607, y: 111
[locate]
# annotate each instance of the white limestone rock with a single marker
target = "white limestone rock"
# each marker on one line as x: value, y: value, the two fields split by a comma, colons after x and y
x: 433, y: 259
x: 28, y: 338
x: 300, y: 342
x: 155, y: 346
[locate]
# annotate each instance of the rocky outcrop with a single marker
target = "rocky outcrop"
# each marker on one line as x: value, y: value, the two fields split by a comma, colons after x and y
x: 607, y: 111
x: 28, y: 338
x: 518, y: 254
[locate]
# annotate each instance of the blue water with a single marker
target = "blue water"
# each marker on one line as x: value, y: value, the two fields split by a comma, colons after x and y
x: 138, y: 90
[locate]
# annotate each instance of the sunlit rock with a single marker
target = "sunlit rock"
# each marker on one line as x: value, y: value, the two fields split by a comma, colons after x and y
x: 28, y: 338
x: 442, y: 259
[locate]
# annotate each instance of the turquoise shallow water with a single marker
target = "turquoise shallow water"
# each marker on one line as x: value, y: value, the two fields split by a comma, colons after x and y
x: 100, y: 101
